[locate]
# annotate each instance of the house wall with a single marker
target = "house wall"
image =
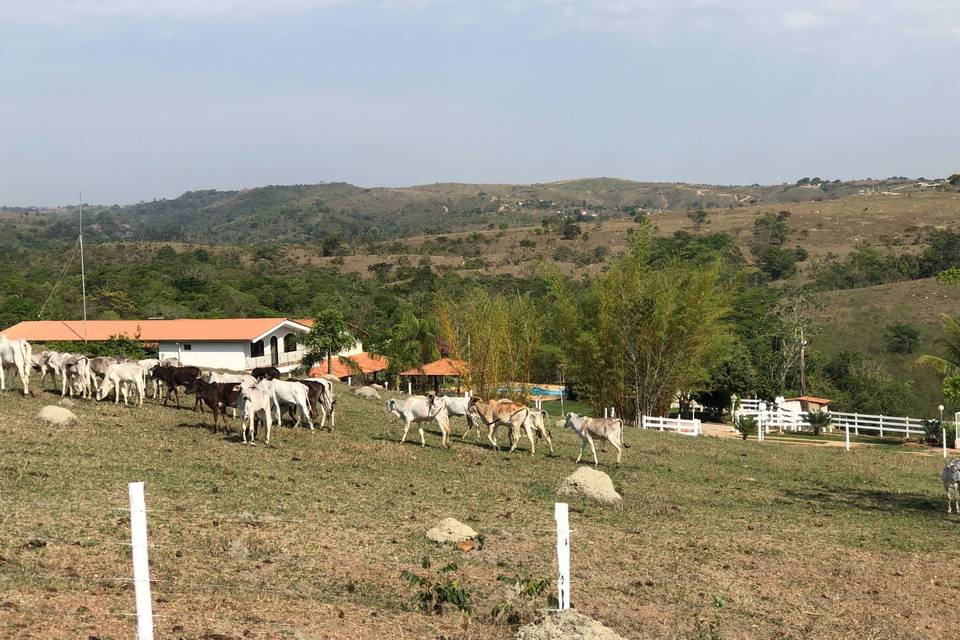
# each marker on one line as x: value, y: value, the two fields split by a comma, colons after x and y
x: 207, y: 355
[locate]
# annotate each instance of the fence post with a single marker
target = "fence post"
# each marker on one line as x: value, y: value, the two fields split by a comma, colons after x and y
x: 881, y: 425
x: 944, y: 442
x: 760, y: 427
x: 846, y: 429
x: 409, y: 387
x: 613, y: 412
x: 141, y: 565
x: 561, y: 514
x: 908, y: 426
x: 349, y: 381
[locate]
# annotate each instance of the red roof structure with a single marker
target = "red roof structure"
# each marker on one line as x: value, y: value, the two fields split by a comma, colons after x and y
x: 810, y: 399
x: 364, y: 362
x: 203, y: 330
x: 446, y: 367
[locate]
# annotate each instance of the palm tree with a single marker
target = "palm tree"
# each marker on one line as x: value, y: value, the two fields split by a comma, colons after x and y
x: 411, y: 342
x: 948, y: 365
x: 818, y: 420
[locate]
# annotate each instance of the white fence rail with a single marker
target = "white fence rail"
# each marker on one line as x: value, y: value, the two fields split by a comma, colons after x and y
x: 683, y: 427
x: 772, y: 416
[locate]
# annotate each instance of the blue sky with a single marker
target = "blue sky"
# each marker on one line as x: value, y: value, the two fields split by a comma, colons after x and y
x: 135, y: 99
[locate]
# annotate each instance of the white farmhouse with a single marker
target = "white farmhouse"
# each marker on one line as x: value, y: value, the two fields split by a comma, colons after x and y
x: 233, y: 344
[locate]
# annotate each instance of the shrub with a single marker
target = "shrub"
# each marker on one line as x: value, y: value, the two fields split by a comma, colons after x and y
x: 746, y: 425
x: 439, y: 589
x: 933, y: 431
x: 901, y: 337
x: 949, y: 277
x: 819, y: 420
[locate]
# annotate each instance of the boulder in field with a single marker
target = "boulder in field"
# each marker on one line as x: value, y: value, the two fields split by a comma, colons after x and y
x: 56, y: 416
x: 451, y: 530
x: 566, y: 625
x: 367, y: 392
x: 589, y: 483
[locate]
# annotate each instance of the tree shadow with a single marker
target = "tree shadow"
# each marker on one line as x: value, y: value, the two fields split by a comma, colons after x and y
x: 867, y: 499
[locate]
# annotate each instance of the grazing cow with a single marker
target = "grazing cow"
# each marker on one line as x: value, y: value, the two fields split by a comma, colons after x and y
x: 609, y: 429
x: 76, y: 377
x: 951, y: 484
x: 121, y: 376
x: 291, y: 394
x: 255, y: 398
x: 174, y: 377
x: 270, y: 373
x: 98, y: 369
x: 148, y: 364
x: 321, y: 400
x: 421, y: 409
x: 16, y: 355
x: 215, y: 394
x: 492, y: 413
x: 53, y: 364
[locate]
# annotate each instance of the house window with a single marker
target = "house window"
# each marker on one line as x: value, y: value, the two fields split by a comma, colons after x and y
x: 188, y: 347
x: 290, y: 342
x: 256, y: 349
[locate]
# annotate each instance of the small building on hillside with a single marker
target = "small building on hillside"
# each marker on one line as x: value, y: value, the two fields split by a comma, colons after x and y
x: 810, y: 403
x: 232, y: 344
x: 438, y: 369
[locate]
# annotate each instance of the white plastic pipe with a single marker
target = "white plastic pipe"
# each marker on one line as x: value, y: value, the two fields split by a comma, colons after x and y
x: 561, y: 514
x: 846, y: 429
x: 141, y: 564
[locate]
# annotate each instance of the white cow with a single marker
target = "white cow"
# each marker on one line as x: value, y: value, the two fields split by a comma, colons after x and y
x: 951, y: 484
x: 460, y: 406
x: 119, y: 377
x: 255, y: 398
x: 16, y: 355
x: 609, y: 429
x: 75, y: 377
x: 421, y: 409
x: 213, y: 376
x: 53, y: 364
x: 292, y: 394
x: 536, y: 429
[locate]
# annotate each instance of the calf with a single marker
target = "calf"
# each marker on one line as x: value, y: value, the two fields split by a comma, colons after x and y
x: 492, y: 413
x: 269, y: 373
x: 951, y: 484
x: 148, y: 364
x: 536, y: 429
x: 215, y: 394
x: 120, y: 377
x: 421, y: 409
x: 609, y: 429
x: 255, y: 399
x: 174, y: 377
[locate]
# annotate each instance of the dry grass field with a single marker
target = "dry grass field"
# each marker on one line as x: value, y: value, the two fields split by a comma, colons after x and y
x: 307, y: 538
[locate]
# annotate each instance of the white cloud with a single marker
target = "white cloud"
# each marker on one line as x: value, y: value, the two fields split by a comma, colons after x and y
x: 800, y: 19
x: 62, y: 11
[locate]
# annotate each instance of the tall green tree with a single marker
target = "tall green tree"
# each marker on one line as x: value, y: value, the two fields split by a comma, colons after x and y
x: 948, y: 365
x: 327, y: 336
x: 637, y: 335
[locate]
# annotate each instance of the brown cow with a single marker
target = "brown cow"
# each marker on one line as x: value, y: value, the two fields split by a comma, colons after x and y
x: 492, y: 413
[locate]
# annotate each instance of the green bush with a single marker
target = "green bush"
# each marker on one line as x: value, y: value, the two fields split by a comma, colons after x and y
x: 439, y: 589
x: 901, y: 337
x: 818, y: 420
x: 746, y: 425
x: 933, y: 431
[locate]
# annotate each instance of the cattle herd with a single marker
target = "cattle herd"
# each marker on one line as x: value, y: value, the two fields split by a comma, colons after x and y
x: 261, y: 397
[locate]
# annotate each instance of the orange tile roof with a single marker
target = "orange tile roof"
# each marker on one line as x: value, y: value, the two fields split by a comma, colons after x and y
x: 365, y: 361
x: 220, y: 330
x: 812, y: 399
x: 442, y: 367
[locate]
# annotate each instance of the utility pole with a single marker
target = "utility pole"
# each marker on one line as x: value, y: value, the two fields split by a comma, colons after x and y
x: 83, y: 273
x: 803, y: 364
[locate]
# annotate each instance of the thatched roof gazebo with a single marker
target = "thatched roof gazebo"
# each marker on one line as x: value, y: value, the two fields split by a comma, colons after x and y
x: 442, y: 368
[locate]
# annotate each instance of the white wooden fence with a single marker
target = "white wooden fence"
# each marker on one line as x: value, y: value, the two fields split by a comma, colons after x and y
x: 683, y: 427
x: 772, y: 416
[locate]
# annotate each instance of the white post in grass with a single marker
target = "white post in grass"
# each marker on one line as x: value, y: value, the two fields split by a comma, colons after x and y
x: 605, y: 412
x: 944, y: 438
x: 561, y: 513
x: 613, y: 412
x: 141, y: 565
x: 409, y: 388
x: 846, y: 429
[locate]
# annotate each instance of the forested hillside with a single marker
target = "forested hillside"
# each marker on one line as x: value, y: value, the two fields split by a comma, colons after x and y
x: 862, y: 268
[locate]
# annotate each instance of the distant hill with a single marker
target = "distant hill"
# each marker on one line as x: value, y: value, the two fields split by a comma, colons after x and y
x: 306, y: 214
